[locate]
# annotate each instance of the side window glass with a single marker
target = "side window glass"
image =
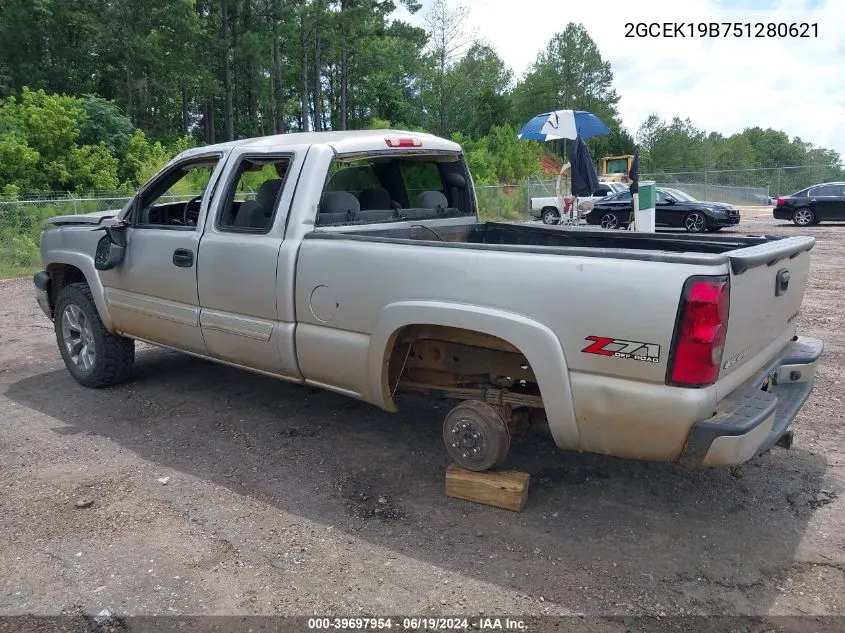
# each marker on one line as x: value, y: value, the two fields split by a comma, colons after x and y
x: 174, y: 200
x: 826, y: 190
x: 253, y: 195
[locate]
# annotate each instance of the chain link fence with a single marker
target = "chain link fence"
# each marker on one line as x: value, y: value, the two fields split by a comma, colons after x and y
x: 747, y: 186
x: 695, y: 184
x: 22, y: 218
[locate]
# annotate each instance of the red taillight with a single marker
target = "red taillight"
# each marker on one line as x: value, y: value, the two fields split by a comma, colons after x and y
x: 781, y: 202
x: 405, y: 141
x: 700, y: 332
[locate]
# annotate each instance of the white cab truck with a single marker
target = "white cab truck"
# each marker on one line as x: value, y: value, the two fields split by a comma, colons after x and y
x: 546, y: 208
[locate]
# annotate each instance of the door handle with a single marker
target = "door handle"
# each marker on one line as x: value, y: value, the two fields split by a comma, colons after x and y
x: 183, y: 258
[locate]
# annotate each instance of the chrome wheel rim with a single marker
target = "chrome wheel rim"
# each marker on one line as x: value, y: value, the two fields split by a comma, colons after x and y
x: 78, y: 337
x: 695, y: 222
x: 549, y: 217
x: 609, y: 221
x: 802, y: 217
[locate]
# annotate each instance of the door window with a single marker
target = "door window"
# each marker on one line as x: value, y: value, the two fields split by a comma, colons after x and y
x: 173, y: 200
x: 826, y: 191
x: 622, y: 196
x: 253, y: 196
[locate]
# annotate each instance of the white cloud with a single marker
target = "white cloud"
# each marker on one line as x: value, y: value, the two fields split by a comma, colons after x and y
x: 724, y: 85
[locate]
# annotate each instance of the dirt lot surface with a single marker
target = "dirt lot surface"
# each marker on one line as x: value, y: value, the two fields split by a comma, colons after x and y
x: 215, y: 491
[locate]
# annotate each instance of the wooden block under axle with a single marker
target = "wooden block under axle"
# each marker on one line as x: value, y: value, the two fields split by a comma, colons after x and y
x: 506, y: 489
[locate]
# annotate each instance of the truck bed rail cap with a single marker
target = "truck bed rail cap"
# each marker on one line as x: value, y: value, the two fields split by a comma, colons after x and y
x: 769, y: 253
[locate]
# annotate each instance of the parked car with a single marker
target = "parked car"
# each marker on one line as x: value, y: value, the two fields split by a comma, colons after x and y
x: 673, y: 208
x: 546, y: 208
x: 812, y: 205
x: 759, y: 198
x: 360, y: 267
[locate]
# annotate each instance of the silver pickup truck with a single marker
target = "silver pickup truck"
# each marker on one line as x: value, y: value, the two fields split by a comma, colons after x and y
x: 355, y: 262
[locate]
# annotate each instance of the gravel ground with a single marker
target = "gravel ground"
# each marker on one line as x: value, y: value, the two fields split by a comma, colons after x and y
x: 218, y: 492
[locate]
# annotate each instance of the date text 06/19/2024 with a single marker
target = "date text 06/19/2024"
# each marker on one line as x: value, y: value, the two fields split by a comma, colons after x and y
x: 418, y: 623
x: 722, y: 29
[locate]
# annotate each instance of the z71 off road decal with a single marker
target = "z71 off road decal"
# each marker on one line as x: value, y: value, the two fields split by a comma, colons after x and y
x: 617, y: 348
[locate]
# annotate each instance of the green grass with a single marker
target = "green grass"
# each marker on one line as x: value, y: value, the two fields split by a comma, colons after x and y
x: 11, y: 271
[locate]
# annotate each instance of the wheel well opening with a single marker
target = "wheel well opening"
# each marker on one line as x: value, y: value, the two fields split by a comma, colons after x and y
x: 60, y: 276
x: 456, y: 362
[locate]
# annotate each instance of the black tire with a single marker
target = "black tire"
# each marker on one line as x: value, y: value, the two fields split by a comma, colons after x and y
x: 610, y: 220
x: 550, y: 216
x: 695, y: 222
x: 476, y: 436
x: 112, y: 357
x: 803, y: 217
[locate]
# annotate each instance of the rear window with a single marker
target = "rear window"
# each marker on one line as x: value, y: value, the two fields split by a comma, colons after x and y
x: 827, y: 190
x: 420, y: 177
x: 395, y: 189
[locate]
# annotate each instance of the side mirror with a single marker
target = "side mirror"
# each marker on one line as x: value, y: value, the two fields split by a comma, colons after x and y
x: 454, y: 179
x: 669, y: 200
x: 111, y: 248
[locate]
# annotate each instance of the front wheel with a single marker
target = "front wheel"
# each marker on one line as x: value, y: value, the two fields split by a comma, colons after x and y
x: 695, y: 222
x: 804, y: 217
x: 550, y: 216
x: 610, y: 220
x: 92, y: 355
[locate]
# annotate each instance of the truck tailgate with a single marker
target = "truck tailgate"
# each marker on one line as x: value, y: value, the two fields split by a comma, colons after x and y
x: 767, y: 284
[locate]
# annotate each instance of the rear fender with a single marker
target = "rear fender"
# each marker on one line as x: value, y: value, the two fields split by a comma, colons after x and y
x: 536, y: 342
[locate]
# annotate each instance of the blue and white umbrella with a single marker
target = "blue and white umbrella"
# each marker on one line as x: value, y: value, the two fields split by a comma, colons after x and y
x: 559, y: 124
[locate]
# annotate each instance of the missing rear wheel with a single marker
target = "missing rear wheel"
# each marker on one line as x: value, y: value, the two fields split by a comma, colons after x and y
x: 476, y: 436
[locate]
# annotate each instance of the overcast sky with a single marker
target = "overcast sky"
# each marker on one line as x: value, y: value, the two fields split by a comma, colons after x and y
x: 724, y: 85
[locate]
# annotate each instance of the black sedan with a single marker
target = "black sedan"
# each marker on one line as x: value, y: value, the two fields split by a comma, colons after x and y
x: 813, y: 204
x: 673, y: 208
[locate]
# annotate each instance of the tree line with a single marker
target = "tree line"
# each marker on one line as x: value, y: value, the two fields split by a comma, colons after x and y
x: 751, y: 158
x: 217, y: 70
x: 96, y: 95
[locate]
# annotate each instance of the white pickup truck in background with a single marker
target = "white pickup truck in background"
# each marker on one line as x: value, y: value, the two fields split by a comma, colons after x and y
x: 546, y: 208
